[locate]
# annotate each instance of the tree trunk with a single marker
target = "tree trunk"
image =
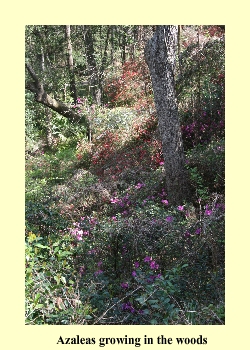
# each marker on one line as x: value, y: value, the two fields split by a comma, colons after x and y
x: 92, y: 67
x: 73, y: 92
x: 160, y: 53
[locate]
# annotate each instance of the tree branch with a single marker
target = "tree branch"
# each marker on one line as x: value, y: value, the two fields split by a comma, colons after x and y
x: 42, y: 97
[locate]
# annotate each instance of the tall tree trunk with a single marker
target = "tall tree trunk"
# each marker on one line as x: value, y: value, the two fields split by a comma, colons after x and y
x: 92, y: 67
x: 73, y: 92
x: 124, y: 42
x: 49, y: 136
x: 160, y: 53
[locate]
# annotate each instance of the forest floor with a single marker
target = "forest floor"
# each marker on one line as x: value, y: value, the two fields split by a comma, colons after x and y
x: 103, y: 243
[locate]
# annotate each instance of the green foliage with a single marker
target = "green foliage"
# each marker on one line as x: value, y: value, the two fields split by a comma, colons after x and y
x: 206, y: 164
x: 50, y: 287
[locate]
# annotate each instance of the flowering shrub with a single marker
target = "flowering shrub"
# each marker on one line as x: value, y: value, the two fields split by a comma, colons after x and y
x: 132, y: 87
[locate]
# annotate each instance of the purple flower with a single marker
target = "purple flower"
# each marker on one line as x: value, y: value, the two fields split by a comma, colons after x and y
x: 180, y: 207
x: 81, y: 270
x: 137, y: 264
x: 98, y: 272
x: 198, y: 231
x: 115, y: 200
x: 169, y: 218
x: 207, y: 211
x: 139, y: 185
x: 147, y: 259
x: 153, y: 265
x: 124, y: 285
x: 164, y: 201
x: 128, y: 307
x: 187, y: 234
x: 133, y: 273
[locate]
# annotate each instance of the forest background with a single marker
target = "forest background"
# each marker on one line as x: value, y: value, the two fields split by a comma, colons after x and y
x: 105, y: 242
x: 237, y: 170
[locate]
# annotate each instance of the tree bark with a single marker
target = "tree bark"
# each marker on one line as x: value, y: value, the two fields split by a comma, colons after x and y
x: 92, y: 67
x: 42, y: 97
x: 160, y: 53
x: 72, y: 83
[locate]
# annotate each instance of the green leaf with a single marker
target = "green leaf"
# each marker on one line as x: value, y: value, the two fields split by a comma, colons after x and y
x: 57, y: 278
x: 63, y: 254
x: 39, y: 245
x: 141, y: 300
x: 37, y: 296
x: 63, y: 279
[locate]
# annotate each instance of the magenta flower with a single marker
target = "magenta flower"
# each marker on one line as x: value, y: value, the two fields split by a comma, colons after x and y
x: 207, y: 211
x: 147, y: 259
x: 169, y: 218
x: 115, y: 200
x: 198, y: 231
x: 137, y: 264
x: 128, y: 307
x: 180, y: 207
x: 134, y: 274
x: 124, y: 285
x: 98, y: 272
x: 139, y: 185
x: 153, y: 265
x: 164, y: 201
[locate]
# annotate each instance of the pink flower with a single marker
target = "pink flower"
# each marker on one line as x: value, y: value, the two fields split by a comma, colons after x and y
x: 153, y: 265
x: 164, y: 201
x: 208, y: 212
x: 139, y: 185
x: 98, y: 272
x: 114, y: 200
x: 180, y: 207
